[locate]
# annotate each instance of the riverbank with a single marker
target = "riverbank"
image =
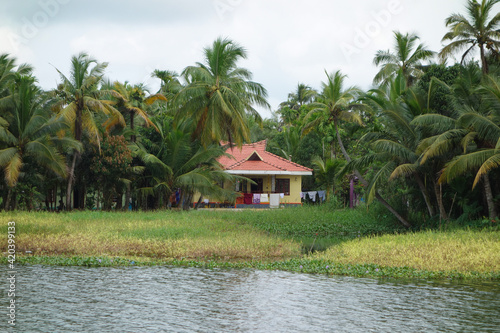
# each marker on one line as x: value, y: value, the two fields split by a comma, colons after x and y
x: 307, y: 239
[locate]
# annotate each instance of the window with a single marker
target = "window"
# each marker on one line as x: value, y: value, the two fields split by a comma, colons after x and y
x: 283, y: 186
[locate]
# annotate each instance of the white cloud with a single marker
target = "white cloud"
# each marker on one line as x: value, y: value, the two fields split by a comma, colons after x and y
x: 288, y: 41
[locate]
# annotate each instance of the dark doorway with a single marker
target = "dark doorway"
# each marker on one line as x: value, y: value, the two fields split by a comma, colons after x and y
x: 257, y: 187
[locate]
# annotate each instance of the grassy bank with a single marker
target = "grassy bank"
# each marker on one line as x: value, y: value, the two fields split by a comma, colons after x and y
x: 151, y: 235
x: 356, y: 242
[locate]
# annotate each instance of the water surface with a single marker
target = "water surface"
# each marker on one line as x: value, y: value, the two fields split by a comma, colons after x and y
x: 173, y: 299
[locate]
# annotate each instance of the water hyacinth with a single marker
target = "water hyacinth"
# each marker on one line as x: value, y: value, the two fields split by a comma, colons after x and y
x: 228, y: 240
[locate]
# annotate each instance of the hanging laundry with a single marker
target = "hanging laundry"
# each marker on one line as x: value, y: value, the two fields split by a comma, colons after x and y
x: 322, y: 195
x: 247, y: 198
x: 282, y: 195
x: 302, y: 195
x: 256, y: 198
x: 312, y: 195
x: 264, y: 197
x: 274, y: 200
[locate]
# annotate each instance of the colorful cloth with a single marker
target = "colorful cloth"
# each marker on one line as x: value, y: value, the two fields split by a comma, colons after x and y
x: 256, y: 198
x: 247, y: 198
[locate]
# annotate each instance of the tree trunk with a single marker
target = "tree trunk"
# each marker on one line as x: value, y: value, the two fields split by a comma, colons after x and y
x: 489, y: 197
x: 439, y: 197
x: 61, y: 198
x: 127, y: 197
x: 392, y: 210
x: 199, y: 202
x: 365, y: 183
x: 351, y: 193
x: 339, y: 139
x: 47, y: 194
x: 76, y: 197
x: 71, y: 179
x: 132, y: 137
x: 76, y: 155
x: 119, y: 200
x: 30, y: 200
x: 425, y: 194
x: 14, y: 207
x: 484, y: 63
x: 83, y: 196
x: 7, y: 201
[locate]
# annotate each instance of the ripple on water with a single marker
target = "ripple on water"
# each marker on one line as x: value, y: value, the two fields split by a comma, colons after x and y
x: 173, y: 299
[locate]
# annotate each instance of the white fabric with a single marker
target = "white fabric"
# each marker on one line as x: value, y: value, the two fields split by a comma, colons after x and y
x: 312, y: 195
x: 264, y: 197
x: 274, y: 200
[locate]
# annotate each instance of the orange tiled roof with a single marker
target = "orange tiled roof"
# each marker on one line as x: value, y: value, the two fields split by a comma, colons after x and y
x: 253, y: 157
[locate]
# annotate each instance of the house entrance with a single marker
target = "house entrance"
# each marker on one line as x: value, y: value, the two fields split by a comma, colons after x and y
x: 258, y: 186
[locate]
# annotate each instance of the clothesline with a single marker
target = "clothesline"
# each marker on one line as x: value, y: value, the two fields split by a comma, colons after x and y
x: 260, y: 197
x: 312, y: 195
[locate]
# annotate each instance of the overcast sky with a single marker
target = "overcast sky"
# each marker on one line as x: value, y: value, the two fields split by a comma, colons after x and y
x: 288, y: 41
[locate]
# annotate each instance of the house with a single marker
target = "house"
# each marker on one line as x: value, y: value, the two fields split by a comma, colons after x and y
x: 275, y: 181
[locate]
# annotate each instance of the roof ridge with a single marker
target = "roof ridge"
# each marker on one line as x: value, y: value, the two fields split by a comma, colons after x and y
x: 236, y: 164
x: 274, y: 165
x: 285, y: 160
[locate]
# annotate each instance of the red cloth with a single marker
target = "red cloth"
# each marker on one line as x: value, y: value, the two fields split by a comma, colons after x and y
x: 247, y: 198
x: 239, y: 200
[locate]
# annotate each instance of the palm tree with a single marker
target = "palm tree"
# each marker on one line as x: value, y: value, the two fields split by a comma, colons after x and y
x: 484, y: 130
x: 336, y: 104
x: 170, y: 84
x: 475, y: 30
x: 29, y: 135
x: 302, y: 95
x: 80, y: 99
x: 325, y: 171
x: 177, y: 162
x: 289, y: 143
x: 470, y: 137
x: 405, y: 59
x: 291, y: 109
x: 132, y: 101
x: 219, y: 93
x: 8, y: 71
x: 396, y: 145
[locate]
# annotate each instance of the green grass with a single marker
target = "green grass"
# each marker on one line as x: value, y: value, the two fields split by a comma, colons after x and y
x: 458, y: 250
x: 150, y: 235
x: 344, y: 242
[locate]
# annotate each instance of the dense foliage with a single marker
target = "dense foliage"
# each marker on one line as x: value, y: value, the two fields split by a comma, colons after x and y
x: 424, y: 143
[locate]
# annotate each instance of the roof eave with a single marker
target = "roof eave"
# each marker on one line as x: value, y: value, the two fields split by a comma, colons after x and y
x: 265, y: 172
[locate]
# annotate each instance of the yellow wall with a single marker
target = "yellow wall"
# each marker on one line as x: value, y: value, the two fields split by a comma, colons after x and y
x: 295, y: 188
